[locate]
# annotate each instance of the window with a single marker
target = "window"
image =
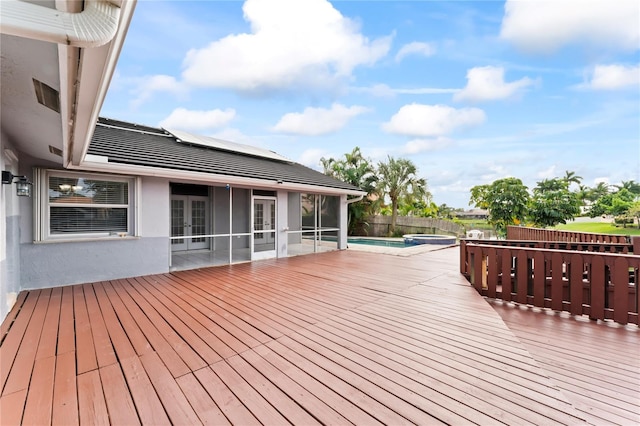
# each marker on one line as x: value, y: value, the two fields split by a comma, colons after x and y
x: 85, y: 205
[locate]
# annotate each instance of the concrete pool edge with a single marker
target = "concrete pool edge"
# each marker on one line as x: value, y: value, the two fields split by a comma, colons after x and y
x: 404, y: 251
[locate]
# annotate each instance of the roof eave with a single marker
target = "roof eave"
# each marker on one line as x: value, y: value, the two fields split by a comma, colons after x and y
x: 90, y: 76
x: 210, y: 178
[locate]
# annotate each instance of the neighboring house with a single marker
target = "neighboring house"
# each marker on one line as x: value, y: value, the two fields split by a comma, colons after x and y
x: 473, y: 214
x: 112, y: 199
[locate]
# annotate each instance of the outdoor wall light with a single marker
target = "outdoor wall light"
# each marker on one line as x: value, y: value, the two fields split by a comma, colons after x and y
x: 23, y: 186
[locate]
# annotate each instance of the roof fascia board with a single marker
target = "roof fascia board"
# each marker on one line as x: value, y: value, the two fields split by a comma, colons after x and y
x: 95, y: 71
x: 208, y: 178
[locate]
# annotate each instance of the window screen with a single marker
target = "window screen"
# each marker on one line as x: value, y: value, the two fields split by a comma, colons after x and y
x: 81, y: 205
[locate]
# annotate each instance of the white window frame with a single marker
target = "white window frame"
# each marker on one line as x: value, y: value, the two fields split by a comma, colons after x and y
x: 42, y: 206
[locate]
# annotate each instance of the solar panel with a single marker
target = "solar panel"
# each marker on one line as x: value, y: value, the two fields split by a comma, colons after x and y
x: 189, y: 138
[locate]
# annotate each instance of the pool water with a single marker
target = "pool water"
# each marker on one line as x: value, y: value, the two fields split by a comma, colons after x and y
x: 377, y: 242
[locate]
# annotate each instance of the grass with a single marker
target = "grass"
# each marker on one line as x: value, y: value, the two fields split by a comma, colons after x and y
x: 599, y: 228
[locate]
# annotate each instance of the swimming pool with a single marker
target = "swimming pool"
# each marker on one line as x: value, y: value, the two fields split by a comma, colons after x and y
x: 380, y: 242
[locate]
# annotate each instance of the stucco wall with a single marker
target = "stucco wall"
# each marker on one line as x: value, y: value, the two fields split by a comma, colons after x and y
x: 50, y: 264
x: 9, y: 233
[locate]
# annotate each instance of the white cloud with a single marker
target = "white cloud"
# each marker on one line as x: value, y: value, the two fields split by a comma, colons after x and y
x: 415, y: 48
x: 545, y: 26
x: 432, y: 120
x: 149, y: 85
x: 416, y: 146
x: 292, y: 44
x: 382, y: 90
x: 548, y: 173
x: 612, y: 77
x: 495, y: 171
x: 184, y: 119
x: 318, y: 121
x: 487, y: 83
x: 311, y: 157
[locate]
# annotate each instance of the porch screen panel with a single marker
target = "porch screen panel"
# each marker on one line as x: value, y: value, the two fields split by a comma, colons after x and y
x: 330, y: 211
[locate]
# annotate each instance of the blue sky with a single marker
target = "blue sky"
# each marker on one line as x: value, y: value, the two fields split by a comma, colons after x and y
x: 469, y: 91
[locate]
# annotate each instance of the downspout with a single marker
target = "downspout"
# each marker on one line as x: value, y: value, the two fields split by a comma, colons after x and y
x: 95, y: 26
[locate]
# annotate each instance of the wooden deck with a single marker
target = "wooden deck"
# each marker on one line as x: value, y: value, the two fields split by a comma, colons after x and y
x: 334, y: 338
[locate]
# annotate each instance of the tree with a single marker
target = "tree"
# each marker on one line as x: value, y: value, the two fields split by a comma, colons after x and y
x: 598, y: 191
x: 552, y: 203
x: 571, y: 177
x: 479, y: 196
x: 506, y: 199
x: 634, y: 212
x: 358, y: 171
x: 630, y: 185
x: 397, y: 179
x: 614, y: 203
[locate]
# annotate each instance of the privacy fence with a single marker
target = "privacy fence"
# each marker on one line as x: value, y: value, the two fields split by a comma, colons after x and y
x: 379, y: 226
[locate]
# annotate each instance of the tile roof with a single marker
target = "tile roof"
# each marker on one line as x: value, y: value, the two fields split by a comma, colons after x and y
x: 133, y: 144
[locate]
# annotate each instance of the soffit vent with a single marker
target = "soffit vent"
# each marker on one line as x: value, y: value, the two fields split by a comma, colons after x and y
x: 55, y: 151
x: 47, y: 95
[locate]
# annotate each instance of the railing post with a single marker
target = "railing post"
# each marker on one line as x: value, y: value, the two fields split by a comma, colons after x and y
x: 620, y: 280
x: 463, y: 257
x: 597, y: 288
x: 539, y: 279
x: 557, y: 283
x: 522, y: 280
x: 576, y: 286
x: 507, y: 262
x: 636, y: 245
x: 492, y: 273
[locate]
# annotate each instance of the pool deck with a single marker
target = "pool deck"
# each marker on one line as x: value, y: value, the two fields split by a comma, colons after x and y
x: 345, y: 337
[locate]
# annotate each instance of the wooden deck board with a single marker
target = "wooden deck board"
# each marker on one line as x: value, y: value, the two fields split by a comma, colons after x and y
x: 40, y: 396
x: 19, y: 375
x: 206, y: 409
x: 335, y: 338
x: 595, y: 364
x: 66, y: 326
x: 49, y: 339
x: 85, y: 348
x: 65, y: 392
x: 91, y: 403
x: 315, y: 406
x: 161, y: 337
x: 120, y: 406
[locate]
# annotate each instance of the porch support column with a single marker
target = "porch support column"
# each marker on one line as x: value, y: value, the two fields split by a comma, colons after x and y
x: 343, y: 221
x: 282, y: 210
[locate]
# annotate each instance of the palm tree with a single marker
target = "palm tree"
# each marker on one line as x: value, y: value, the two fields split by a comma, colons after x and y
x: 358, y: 171
x: 598, y: 191
x: 630, y: 185
x: 397, y: 179
x: 571, y: 177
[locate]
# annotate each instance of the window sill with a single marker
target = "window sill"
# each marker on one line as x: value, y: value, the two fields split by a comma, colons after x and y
x: 87, y: 239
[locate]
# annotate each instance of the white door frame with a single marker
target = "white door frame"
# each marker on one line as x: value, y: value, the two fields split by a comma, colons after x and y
x: 188, y: 226
x: 267, y: 235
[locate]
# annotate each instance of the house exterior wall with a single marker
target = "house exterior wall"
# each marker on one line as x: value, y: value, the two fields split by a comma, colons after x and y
x: 50, y: 264
x: 25, y: 264
x: 9, y: 232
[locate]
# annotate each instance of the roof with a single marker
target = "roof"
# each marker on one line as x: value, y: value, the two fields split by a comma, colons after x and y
x: 473, y: 212
x: 132, y: 144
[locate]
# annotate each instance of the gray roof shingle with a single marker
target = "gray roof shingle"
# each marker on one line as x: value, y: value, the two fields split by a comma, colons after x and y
x: 128, y: 143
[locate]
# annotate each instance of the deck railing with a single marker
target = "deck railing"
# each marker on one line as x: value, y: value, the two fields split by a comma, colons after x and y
x: 536, y: 234
x: 600, y: 285
x: 621, y: 248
